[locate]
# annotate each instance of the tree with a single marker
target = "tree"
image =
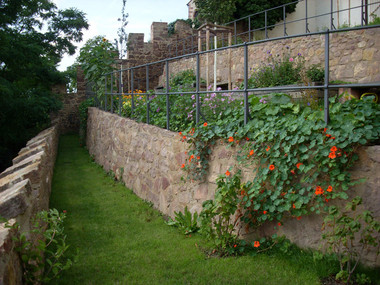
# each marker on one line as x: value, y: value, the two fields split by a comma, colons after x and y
x: 223, y: 11
x: 34, y: 35
x: 97, y: 57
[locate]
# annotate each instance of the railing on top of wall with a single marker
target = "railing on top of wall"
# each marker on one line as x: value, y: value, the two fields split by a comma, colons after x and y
x: 190, y: 44
x: 118, y: 75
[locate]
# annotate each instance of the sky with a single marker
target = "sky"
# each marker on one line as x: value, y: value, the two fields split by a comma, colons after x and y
x: 102, y: 17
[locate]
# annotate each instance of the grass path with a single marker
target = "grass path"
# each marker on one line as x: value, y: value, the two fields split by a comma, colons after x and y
x: 122, y: 240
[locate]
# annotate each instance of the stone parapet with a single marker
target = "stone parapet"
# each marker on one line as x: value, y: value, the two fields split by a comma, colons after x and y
x: 25, y: 189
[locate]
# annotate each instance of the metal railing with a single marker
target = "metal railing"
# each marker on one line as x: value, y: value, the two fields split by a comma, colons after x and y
x: 110, y: 93
x: 190, y: 44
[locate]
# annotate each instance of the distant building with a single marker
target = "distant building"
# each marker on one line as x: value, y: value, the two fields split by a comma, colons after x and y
x: 192, y: 9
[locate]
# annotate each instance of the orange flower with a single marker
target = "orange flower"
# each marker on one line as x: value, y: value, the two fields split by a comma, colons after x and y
x: 242, y: 192
x: 299, y: 164
x: 198, y: 157
x: 183, y: 165
x: 192, y: 156
x: 265, y: 212
x: 184, y: 137
x: 230, y: 139
x: 180, y: 133
x: 333, y: 149
x: 271, y: 167
x: 228, y: 173
x: 256, y: 243
x: 333, y: 138
x: 325, y: 130
x: 251, y: 152
x: 332, y: 155
x: 294, y: 206
x: 205, y: 124
x: 327, y: 135
x: 318, y: 190
x: 268, y: 148
x: 329, y: 189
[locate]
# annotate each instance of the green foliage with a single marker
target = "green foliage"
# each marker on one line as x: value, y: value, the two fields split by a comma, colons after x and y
x: 350, y: 235
x: 279, y: 70
x: 97, y: 58
x: 316, y: 73
x: 375, y: 20
x: 71, y: 78
x: 44, y: 259
x: 186, y: 222
x: 28, y: 58
x: 228, y: 10
x: 218, y: 219
x: 121, y: 42
x: 83, y: 114
x: 171, y: 25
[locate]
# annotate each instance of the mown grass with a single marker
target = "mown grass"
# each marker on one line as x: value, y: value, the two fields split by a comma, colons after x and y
x: 123, y: 240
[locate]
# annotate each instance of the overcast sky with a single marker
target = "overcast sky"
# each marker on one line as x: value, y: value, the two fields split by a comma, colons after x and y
x: 102, y: 16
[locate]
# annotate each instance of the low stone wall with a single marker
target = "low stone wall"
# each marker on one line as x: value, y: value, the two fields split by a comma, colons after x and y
x: 354, y: 57
x: 148, y: 159
x: 25, y: 190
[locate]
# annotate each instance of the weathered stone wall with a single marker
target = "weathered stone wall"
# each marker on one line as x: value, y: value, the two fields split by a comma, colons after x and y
x: 68, y: 117
x: 25, y: 190
x: 354, y: 57
x: 148, y: 160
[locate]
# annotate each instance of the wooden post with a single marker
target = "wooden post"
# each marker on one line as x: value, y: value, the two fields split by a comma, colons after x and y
x: 207, y: 55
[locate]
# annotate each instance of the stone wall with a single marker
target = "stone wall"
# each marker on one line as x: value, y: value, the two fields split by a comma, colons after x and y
x: 354, y: 57
x: 25, y: 190
x: 68, y: 117
x: 148, y: 160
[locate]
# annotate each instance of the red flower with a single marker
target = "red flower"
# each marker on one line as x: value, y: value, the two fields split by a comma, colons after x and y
x: 235, y: 245
x: 325, y: 130
x: 247, y: 138
x: 333, y: 138
x: 228, y: 173
x: 198, y: 157
x: 292, y: 171
x: 230, y: 139
x: 180, y: 133
x: 205, y: 124
x: 268, y: 148
x: 265, y: 212
x: 64, y: 211
x: 333, y: 149
x: 256, y: 244
x: 329, y: 189
x: 242, y: 192
x: 294, y: 206
x: 299, y: 164
x: 327, y: 200
x: 184, y: 137
x: 327, y: 135
x: 271, y: 167
x: 183, y: 166
x: 332, y: 155
x: 251, y: 152
x: 279, y: 224
x: 318, y: 190
x: 299, y: 218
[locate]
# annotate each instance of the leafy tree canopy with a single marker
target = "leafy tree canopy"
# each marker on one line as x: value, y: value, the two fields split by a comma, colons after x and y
x: 34, y: 35
x: 223, y: 11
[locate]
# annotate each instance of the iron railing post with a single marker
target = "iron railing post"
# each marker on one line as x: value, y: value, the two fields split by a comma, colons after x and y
x: 266, y: 23
x: 105, y: 93
x: 147, y: 95
x: 326, y: 85
x: 197, y: 90
x: 167, y: 97
x: 132, y: 97
x: 120, y: 91
x: 306, y: 22
x: 246, y: 103
x: 332, y: 27
x: 249, y: 28
x: 235, y: 31
x: 111, y: 92
x: 284, y: 16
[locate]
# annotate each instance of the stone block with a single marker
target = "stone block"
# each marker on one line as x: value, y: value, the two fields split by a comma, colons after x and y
x: 15, y: 200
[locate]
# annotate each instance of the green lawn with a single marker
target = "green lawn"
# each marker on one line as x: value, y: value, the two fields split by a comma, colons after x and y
x: 123, y: 240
